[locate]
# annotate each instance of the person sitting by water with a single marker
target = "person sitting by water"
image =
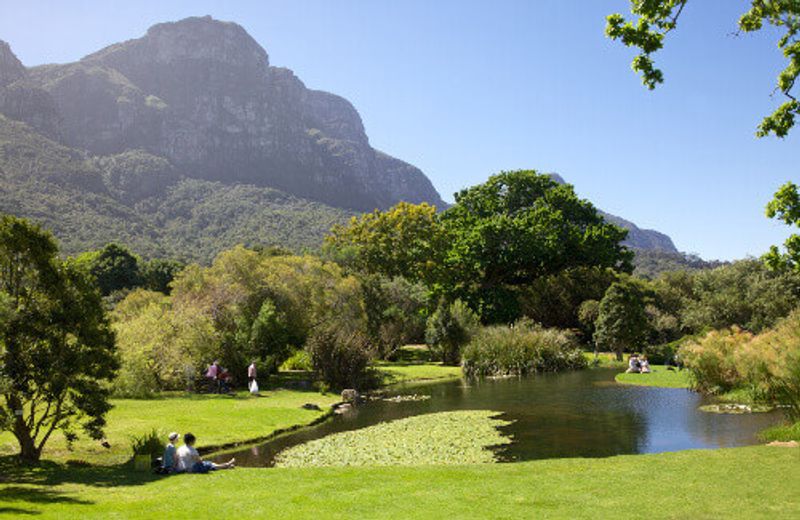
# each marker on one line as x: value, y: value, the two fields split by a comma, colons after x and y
x: 169, y: 460
x: 633, y: 364
x: 644, y: 365
x: 189, y: 460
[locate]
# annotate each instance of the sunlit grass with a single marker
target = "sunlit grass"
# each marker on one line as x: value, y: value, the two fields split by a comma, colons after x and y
x: 214, y: 419
x: 659, y: 376
x: 747, y: 483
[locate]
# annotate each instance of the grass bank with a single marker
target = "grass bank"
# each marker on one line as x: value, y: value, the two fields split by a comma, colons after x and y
x: 690, y: 484
x: 215, y: 419
x: 659, y: 376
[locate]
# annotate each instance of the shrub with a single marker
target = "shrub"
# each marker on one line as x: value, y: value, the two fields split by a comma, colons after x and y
x: 148, y: 444
x: 449, y: 328
x: 767, y: 366
x: 300, y: 360
x: 340, y: 356
x: 711, y: 359
x: 521, y: 349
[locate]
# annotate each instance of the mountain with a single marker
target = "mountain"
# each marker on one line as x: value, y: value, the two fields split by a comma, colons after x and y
x: 202, y: 94
x: 186, y: 141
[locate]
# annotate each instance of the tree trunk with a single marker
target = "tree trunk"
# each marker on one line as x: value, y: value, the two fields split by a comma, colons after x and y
x: 619, y: 354
x: 28, y: 453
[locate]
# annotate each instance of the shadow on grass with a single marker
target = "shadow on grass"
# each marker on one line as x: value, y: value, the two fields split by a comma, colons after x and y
x: 48, y: 473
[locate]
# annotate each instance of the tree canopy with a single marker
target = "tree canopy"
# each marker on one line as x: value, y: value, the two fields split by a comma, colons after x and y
x: 57, y: 350
x: 654, y: 19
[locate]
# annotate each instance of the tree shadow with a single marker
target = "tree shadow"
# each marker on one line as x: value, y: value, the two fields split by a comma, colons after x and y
x: 48, y: 473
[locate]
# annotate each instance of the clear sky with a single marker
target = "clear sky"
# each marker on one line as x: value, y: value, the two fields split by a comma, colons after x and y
x: 463, y: 89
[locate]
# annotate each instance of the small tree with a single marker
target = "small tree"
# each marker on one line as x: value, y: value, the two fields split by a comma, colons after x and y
x: 449, y: 328
x: 622, y: 323
x: 56, y: 346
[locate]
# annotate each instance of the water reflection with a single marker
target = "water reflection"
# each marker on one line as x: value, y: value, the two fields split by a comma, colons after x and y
x: 577, y: 414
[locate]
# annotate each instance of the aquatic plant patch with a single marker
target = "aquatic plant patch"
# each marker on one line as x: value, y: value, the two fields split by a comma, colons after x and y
x: 459, y: 437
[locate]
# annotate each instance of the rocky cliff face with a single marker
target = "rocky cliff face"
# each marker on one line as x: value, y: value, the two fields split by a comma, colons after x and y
x: 202, y: 94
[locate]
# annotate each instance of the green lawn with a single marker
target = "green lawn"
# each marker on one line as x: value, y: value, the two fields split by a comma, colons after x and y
x: 754, y: 482
x: 393, y: 373
x: 659, y: 376
x: 214, y: 419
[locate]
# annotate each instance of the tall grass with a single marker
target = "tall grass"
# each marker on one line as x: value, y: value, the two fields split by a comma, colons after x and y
x: 766, y: 365
x: 521, y: 349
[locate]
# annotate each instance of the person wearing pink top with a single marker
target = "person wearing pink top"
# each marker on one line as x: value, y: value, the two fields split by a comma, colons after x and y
x: 213, y: 375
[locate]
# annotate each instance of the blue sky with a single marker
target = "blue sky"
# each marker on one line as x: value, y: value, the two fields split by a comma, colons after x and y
x: 464, y: 89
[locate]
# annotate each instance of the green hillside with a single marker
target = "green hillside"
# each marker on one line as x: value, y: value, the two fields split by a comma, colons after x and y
x: 89, y: 201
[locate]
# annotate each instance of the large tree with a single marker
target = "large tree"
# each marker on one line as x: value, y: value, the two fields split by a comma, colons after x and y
x: 516, y: 228
x: 654, y: 19
x: 57, y: 350
x: 622, y: 323
x: 406, y: 240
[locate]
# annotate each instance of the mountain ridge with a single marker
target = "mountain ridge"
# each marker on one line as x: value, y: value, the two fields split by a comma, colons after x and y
x: 186, y: 141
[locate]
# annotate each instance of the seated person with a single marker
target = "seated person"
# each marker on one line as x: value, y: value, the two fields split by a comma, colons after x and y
x: 169, y: 460
x: 634, y: 367
x: 644, y: 365
x: 189, y: 460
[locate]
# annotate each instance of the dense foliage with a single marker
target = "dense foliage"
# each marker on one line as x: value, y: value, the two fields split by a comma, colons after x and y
x: 396, y: 311
x: 622, y: 323
x: 497, y: 238
x: 340, y: 356
x: 449, y: 328
x: 523, y: 348
x: 653, y: 263
x: 56, y: 346
x: 246, y: 306
x: 766, y: 365
x: 135, y: 199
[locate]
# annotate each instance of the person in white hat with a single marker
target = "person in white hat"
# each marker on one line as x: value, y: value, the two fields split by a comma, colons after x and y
x: 169, y: 462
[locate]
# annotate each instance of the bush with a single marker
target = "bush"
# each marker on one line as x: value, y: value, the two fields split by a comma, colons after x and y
x: 340, y: 356
x: 521, y: 349
x: 148, y: 444
x: 711, y: 359
x: 300, y: 360
x: 767, y: 366
x: 449, y: 328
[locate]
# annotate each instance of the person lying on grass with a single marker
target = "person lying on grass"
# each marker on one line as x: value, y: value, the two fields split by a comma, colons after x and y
x: 189, y: 460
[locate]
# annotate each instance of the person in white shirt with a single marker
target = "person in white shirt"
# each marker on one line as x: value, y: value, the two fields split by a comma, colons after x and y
x: 189, y: 460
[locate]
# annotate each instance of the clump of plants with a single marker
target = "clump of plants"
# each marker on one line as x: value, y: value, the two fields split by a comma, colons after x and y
x: 149, y: 444
x: 459, y: 437
x: 766, y: 366
x: 340, y: 356
x: 449, y: 328
x: 520, y: 349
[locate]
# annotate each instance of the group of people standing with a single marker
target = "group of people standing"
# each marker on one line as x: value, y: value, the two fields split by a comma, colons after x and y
x: 186, y: 459
x: 638, y: 364
x: 221, y: 378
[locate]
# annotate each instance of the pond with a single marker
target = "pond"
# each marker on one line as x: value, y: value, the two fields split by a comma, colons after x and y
x: 575, y: 414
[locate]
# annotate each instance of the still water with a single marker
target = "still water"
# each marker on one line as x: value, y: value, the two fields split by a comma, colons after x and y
x: 575, y: 414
